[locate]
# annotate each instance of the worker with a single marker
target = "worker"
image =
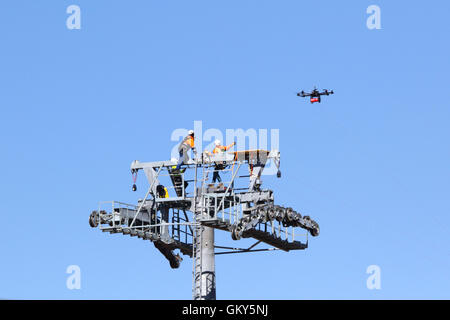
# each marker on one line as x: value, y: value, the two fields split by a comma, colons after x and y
x: 184, y: 147
x: 218, y: 166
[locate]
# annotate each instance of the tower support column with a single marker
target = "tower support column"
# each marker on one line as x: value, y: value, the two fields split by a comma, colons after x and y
x: 206, y: 279
x: 208, y: 265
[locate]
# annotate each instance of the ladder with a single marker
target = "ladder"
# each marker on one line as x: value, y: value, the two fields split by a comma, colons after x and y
x: 178, y: 181
x: 197, y: 263
x: 176, y: 230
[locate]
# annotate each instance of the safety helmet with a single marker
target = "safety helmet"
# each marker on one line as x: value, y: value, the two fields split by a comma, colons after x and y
x: 191, y: 132
x: 217, y: 142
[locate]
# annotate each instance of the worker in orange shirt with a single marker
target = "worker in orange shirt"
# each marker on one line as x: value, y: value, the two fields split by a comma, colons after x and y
x: 185, y: 146
x: 217, y: 150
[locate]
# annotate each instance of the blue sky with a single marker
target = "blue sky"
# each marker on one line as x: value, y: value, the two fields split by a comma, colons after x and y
x: 370, y: 164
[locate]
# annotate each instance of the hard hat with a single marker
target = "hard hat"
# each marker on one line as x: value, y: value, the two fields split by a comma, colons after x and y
x: 191, y: 132
x: 217, y: 142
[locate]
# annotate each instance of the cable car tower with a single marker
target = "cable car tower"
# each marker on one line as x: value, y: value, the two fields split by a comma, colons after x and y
x: 181, y: 210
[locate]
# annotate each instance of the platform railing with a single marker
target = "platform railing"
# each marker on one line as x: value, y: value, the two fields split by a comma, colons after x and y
x: 289, y: 234
x: 115, y: 215
x: 114, y: 218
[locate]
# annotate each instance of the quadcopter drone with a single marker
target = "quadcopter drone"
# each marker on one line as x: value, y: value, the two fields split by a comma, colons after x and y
x: 315, y: 95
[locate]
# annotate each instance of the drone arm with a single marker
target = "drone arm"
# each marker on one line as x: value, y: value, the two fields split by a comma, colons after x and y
x: 326, y: 93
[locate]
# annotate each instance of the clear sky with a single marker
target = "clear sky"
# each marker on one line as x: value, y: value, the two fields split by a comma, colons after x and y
x: 370, y: 164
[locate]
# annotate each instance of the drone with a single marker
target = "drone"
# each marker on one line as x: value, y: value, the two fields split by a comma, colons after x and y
x: 315, y: 95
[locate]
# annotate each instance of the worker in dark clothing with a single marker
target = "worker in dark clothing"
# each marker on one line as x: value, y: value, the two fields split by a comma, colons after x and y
x: 185, y: 146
